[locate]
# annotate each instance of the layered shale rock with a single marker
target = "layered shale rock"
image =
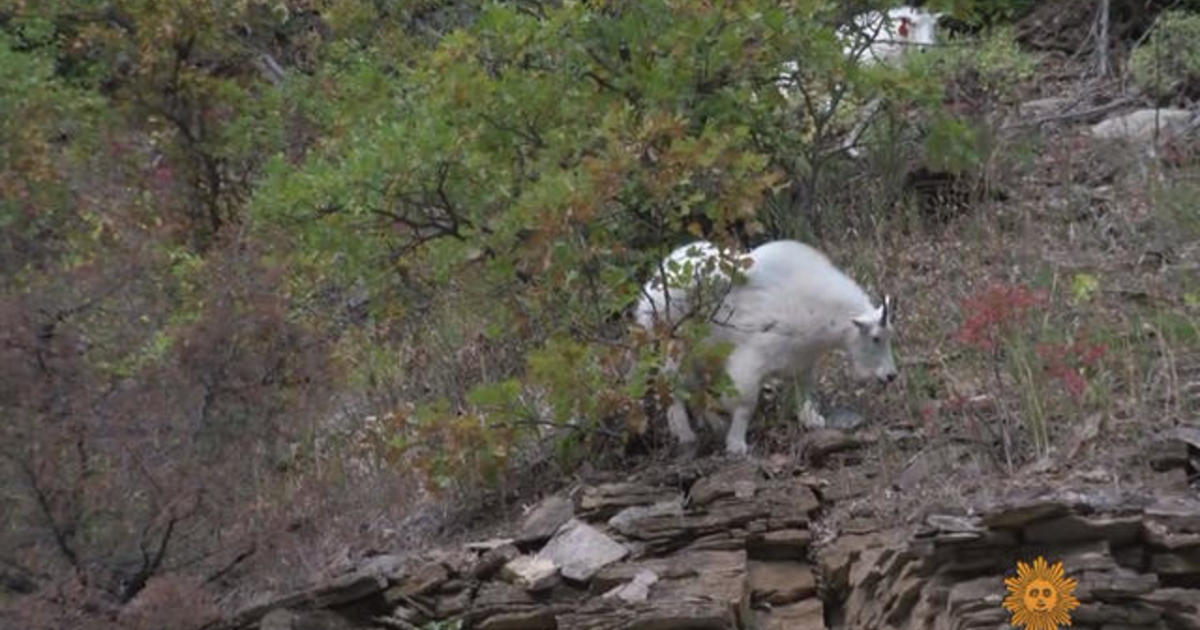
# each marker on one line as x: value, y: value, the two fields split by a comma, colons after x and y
x: 739, y: 545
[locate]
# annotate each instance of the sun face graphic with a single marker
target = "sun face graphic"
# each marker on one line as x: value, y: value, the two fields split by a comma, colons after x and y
x: 1040, y: 597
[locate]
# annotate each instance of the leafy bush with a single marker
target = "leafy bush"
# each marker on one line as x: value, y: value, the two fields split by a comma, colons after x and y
x: 1167, y: 64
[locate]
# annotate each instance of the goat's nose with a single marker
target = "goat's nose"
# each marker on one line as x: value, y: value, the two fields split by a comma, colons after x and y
x: 891, y: 376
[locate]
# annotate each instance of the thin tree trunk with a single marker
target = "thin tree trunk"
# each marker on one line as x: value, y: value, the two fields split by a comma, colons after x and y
x: 1101, y: 36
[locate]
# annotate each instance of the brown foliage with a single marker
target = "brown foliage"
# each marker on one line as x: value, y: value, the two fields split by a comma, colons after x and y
x: 133, y: 445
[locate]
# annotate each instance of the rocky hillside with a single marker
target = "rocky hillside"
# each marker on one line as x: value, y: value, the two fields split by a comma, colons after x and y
x: 317, y: 316
x: 721, y: 544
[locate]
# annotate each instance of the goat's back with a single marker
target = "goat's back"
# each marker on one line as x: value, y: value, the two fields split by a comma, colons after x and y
x: 792, y: 282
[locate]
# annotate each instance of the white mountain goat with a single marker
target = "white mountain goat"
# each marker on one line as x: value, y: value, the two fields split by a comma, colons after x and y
x: 872, y: 38
x: 792, y: 308
x: 885, y: 37
x: 875, y: 38
x: 696, y: 275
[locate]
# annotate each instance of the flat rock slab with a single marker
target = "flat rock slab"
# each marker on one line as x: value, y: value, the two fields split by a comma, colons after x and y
x: 626, y: 520
x: 538, y: 619
x: 725, y: 483
x: 698, y: 614
x: 545, y: 519
x: 784, y: 544
x: 533, y: 573
x: 1071, y: 528
x: 428, y: 577
x: 603, y: 501
x: 780, y: 582
x: 806, y: 615
x: 637, y: 590
x: 1141, y: 125
x: 580, y: 550
x: 493, y: 560
x: 714, y: 576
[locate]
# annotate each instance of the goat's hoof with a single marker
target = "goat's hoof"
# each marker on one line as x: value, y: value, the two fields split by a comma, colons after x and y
x: 736, y: 449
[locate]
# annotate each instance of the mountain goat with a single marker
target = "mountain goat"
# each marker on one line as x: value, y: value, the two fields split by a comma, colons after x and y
x: 695, y: 274
x: 875, y: 38
x: 793, y: 306
x: 886, y: 38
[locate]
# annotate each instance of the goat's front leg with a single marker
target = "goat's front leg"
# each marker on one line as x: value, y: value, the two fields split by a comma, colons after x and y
x: 807, y: 413
x: 746, y: 372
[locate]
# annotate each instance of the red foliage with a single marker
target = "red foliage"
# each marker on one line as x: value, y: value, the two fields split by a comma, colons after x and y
x: 1068, y: 362
x: 991, y: 313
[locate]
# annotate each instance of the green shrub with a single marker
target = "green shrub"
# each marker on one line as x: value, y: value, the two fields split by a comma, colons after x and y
x: 1167, y: 64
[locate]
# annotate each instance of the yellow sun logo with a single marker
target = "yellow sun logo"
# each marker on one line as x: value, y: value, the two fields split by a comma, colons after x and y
x: 1040, y: 597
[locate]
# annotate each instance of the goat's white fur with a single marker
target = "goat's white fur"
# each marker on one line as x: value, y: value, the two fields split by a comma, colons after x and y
x: 876, y: 38
x: 694, y: 274
x: 793, y: 307
x: 902, y: 30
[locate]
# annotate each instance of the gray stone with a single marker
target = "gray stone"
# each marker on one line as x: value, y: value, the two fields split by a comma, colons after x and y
x: 949, y: 523
x: 1182, y: 562
x: 780, y: 545
x: 1118, y: 531
x: 1178, y: 512
x: 451, y: 604
x: 488, y: 545
x: 1023, y: 514
x: 780, y: 582
x: 723, y: 484
x: 967, y: 595
x: 392, y: 567
x: 844, y: 419
x: 321, y: 620
x: 1092, y: 556
x: 1140, y: 126
x: 636, y: 590
x: 695, y: 590
x: 537, y: 619
x: 492, y: 560
x: 533, y: 573
x: 806, y: 615
x: 624, y: 520
x: 423, y: 580
x: 1119, y: 583
x: 1180, y: 606
x: 1134, y: 613
x: 545, y: 519
x: 581, y: 550
x: 601, y: 502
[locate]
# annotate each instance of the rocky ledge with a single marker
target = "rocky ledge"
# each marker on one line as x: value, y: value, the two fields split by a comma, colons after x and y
x: 738, y: 545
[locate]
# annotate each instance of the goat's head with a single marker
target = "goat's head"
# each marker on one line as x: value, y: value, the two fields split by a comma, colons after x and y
x: 870, y: 343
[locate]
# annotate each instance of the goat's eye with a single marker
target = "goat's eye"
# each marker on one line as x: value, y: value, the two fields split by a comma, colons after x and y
x: 876, y: 339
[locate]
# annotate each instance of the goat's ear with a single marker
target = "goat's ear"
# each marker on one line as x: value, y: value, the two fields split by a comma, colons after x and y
x: 869, y: 319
